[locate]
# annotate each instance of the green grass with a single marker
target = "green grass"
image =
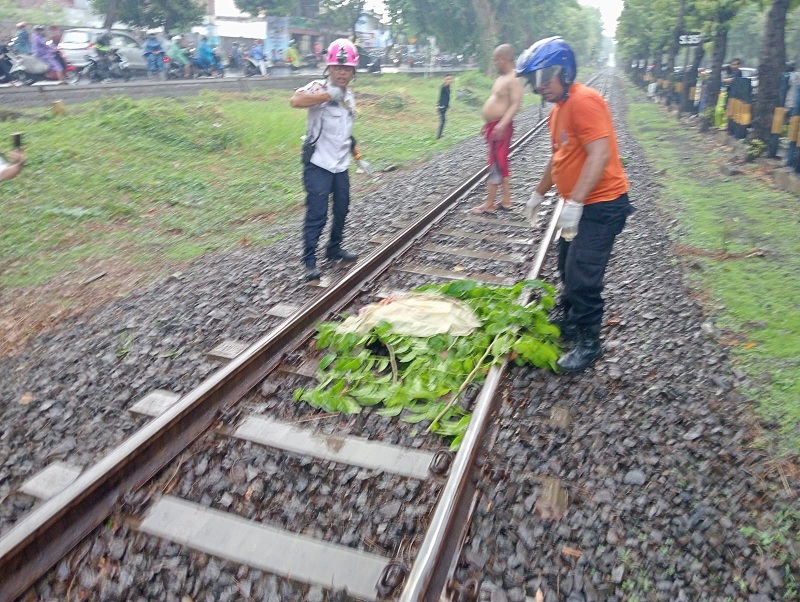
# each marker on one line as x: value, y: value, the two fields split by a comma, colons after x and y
x: 161, y: 180
x: 743, y: 234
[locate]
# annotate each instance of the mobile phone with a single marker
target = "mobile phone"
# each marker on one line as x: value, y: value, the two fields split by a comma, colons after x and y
x: 17, y: 139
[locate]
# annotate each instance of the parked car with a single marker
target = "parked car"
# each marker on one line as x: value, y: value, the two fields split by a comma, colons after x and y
x: 447, y: 60
x: 416, y: 60
x: 76, y: 43
x: 368, y: 62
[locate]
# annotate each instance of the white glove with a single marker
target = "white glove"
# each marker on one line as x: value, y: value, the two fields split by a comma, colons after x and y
x: 532, y: 207
x: 336, y: 93
x: 365, y: 166
x: 569, y: 218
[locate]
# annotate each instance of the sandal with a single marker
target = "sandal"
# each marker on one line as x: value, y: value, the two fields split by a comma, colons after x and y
x: 504, y: 208
x: 480, y: 211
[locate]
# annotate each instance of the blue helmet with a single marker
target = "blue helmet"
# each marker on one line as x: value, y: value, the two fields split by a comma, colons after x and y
x: 549, y: 52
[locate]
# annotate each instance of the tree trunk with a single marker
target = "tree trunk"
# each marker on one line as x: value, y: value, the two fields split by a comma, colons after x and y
x: 690, y: 79
x: 715, y: 79
x: 674, y: 47
x: 111, y: 14
x: 488, y: 41
x: 770, y: 68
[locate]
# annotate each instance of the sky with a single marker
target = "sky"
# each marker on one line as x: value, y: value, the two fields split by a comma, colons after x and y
x: 610, y: 10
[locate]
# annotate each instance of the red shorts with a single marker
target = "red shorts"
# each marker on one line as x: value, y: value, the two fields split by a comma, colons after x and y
x: 498, y: 149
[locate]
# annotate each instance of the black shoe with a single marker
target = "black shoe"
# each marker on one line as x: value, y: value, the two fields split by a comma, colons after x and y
x: 569, y: 331
x: 312, y: 274
x: 341, y: 255
x: 587, y: 350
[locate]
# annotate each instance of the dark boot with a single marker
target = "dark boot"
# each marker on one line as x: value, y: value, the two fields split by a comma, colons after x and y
x: 340, y: 255
x: 558, y: 317
x: 311, y: 273
x: 586, y: 351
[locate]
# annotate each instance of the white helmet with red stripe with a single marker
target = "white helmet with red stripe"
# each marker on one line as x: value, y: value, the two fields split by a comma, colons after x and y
x: 342, y: 52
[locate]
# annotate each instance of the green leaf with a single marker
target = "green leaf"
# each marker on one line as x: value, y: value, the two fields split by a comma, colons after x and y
x: 326, y: 361
x: 350, y: 405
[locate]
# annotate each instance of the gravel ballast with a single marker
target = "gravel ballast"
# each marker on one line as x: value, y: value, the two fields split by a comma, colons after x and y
x: 658, y: 462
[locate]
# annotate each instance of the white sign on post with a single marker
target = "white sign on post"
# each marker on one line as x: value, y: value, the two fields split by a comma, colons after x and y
x: 690, y: 39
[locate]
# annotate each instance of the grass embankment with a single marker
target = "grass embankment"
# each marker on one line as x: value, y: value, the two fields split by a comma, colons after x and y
x: 161, y: 181
x: 742, y: 233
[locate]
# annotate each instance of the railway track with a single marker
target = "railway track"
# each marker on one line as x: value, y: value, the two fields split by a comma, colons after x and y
x: 150, y: 480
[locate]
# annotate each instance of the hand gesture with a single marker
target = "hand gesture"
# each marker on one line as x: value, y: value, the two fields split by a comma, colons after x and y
x: 335, y: 92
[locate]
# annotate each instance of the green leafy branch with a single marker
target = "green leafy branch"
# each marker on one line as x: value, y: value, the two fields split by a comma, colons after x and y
x: 425, y: 378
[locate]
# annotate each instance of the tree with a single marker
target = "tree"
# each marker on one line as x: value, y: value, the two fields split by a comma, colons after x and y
x: 480, y: 25
x: 342, y: 14
x: 170, y: 14
x: 267, y: 7
x: 770, y: 68
x: 719, y: 14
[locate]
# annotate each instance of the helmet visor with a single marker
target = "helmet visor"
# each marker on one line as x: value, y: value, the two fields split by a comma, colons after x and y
x: 542, y: 76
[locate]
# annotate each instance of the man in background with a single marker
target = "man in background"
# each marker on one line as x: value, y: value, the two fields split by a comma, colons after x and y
x: 22, y: 43
x: 498, y: 113
x: 444, y: 102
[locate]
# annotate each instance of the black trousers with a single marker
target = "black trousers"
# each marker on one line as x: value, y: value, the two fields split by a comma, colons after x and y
x: 582, y: 261
x: 320, y: 184
x: 442, y: 113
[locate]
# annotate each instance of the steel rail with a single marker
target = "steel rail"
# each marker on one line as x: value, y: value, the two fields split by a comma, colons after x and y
x: 430, y: 573
x: 42, y: 538
x: 429, y: 576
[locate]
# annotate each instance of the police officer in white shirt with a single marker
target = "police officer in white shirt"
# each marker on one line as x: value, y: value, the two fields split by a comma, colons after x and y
x: 329, y: 128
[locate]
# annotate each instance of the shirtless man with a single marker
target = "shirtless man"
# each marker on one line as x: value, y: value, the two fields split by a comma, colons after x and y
x: 498, y: 113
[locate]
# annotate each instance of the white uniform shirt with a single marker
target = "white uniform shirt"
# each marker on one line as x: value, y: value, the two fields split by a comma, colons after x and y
x: 333, y: 123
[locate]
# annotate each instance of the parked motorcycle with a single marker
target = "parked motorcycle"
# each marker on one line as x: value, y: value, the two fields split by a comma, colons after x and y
x: 215, y: 70
x: 26, y: 70
x: 110, y: 66
x: 5, y: 65
x: 251, y: 68
x: 176, y: 71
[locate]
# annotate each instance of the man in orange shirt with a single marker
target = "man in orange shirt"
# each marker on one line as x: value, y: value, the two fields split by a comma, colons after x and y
x: 587, y: 172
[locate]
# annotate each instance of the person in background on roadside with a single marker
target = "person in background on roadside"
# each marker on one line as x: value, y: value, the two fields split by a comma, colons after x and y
x: 12, y: 166
x: 791, y: 83
x: 498, y: 113
x: 292, y: 56
x: 731, y: 72
x: 47, y: 53
x: 177, y: 54
x: 22, y: 43
x: 204, y: 56
x: 588, y: 174
x: 102, y: 48
x: 235, y: 57
x: 256, y: 54
x: 155, y: 56
x: 444, y: 102
x: 329, y: 128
